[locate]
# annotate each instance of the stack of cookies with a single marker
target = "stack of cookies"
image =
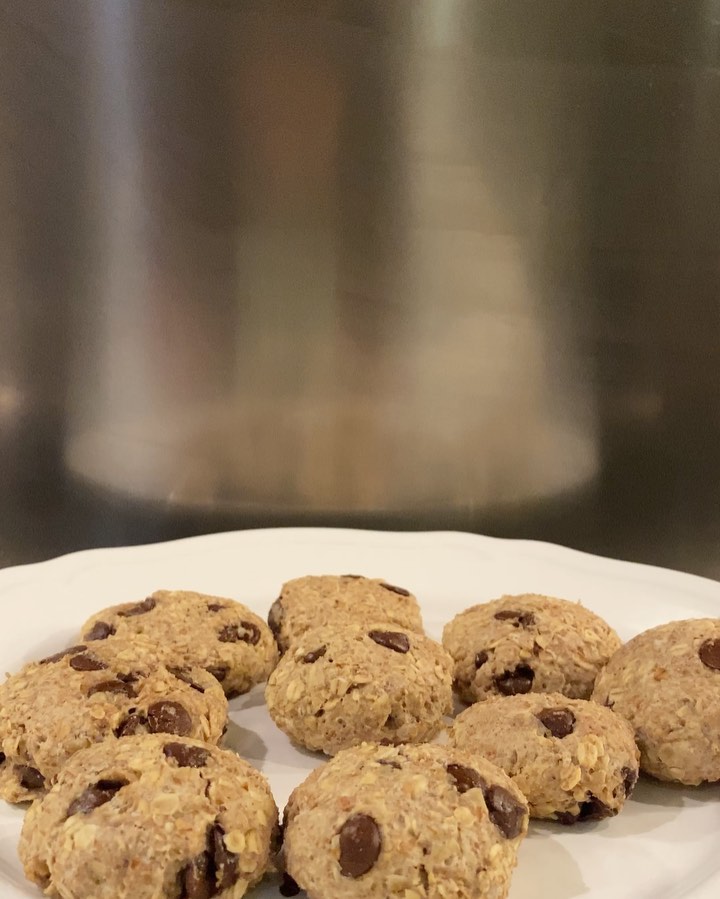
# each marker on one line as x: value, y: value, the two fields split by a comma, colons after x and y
x: 115, y: 740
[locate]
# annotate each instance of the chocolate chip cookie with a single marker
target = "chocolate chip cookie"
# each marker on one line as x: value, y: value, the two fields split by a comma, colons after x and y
x: 573, y: 759
x: 309, y: 602
x: 91, y: 692
x: 220, y: 635
x: 528, y: 644
x: 409, y: 821
x: 148, y: 817
x: 338, y: 686
x: 666, y: 682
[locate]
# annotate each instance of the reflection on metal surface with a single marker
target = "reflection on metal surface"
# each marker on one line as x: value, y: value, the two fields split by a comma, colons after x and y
x: 450, y: 263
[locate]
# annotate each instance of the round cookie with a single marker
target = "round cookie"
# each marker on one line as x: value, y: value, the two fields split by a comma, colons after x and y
x: 527, y: 644
x: 310, y: 602
x: 148, y: 817
x: 666, y: 682
x: 220, y: 635
x: 339, y: 686
x: 408, y: 821
x: 573, y: 759
x: 51, y: 709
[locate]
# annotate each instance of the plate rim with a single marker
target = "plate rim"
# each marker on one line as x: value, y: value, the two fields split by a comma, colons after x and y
x: 702, y: 582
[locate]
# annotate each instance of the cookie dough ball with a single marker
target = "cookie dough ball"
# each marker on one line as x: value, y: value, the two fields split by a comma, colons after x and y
x: 220, y: 635
x: 310, y: 602
x: 408, y: 821
x: 528, y: 644
x: 339, y: 686
x: 573, y: 759
x: 666, y: 682
x: 97, y: 691
x: 150, y: 817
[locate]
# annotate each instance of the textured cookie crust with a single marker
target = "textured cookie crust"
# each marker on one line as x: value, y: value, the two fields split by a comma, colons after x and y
x: 408, y: 821
x: 573, y: 759
x: 220, y: 635
x: 150, y: 817
x: 310, y: 602
x: 51, y: 709
x: 341, y: 685
x: 528, y: 643
x: 666, y: 682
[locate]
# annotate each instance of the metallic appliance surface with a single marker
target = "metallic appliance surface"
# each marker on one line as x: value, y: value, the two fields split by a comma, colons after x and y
x: 449, y: 264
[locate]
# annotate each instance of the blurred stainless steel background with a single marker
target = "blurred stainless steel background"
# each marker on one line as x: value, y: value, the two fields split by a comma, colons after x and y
x: 397, y: 264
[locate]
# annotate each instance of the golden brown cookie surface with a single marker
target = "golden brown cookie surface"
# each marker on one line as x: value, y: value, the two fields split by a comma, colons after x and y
x: 223, y: 636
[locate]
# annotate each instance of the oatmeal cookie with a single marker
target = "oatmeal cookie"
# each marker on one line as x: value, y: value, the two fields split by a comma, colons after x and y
x: 340, y: 685
x: 220, y: 635
x: 528, y: 644
x: 149, y: 817
x: 409, y: 821
x: 310, y: 602
x: 666, y: 682
x: 573, y: 759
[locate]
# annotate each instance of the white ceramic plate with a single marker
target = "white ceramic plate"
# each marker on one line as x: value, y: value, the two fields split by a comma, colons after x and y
x: 665, y: 844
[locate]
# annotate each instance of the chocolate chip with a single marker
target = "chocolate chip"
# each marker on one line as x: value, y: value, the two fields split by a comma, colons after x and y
x: 244, y: 632
x: 352, y: 577
x: 29, y: 778
x: 630, y: 779
x: 147, y: 605
x: 519, y: 619
x: 219, y: 672
x: 465, y: 778
x: 560, y: 722
x: 360, y: 845
x: 391, y: 640
x: 95, y: 796
x: 197, y: 881
x: 401, y: 591
x: 592, y: 809
x: 608, y: 703
x: 101, y: 630
x: 288, y: 887
x: 112, y: 686
x: 86, y: 663
x: 168, y: 717
x: 132, y: 725
x: 213, y: 871
x: 61, y: 655
x: 520, y: 680
x: 2, y: 757
x: 216, y: 606
x: 226, y: 862
x: 506, y: 813
x: 480, y: 659
x: 709, y: 654
x: 275, y: 616
x: 313, y: 656
x: 184, y: 675
x: 390, y: 763
x: 186, y: 756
